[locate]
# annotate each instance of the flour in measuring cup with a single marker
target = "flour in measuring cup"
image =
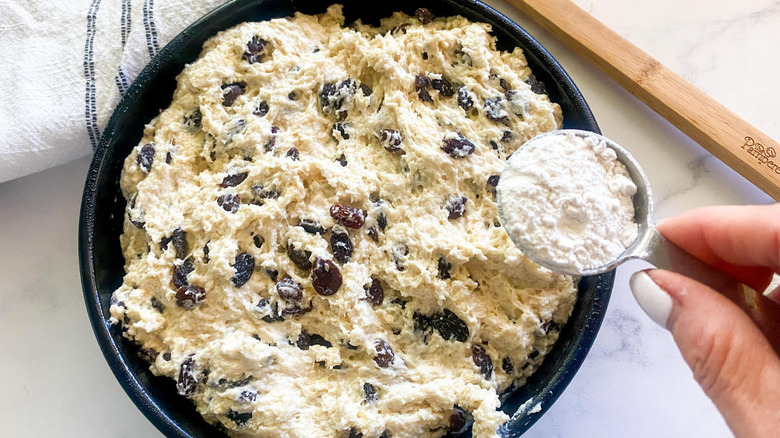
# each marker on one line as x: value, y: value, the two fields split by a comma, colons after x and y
x: 567, y: 202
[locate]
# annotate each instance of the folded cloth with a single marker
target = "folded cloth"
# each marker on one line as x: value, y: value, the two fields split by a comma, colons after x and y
x: 65, y: 67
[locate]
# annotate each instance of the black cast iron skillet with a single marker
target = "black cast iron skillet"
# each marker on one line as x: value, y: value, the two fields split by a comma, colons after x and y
x: 103, y: 206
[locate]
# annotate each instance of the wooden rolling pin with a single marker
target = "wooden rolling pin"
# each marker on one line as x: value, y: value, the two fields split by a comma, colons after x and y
x: 733, y: 140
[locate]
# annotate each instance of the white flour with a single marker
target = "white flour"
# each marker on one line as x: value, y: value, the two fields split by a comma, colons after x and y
x: 567, y: 201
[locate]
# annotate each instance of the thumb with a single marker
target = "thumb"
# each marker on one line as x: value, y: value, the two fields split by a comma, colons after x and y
x: 729, y: 356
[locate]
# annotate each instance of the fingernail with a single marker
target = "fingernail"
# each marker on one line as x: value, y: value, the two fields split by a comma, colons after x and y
x: 651, y: 298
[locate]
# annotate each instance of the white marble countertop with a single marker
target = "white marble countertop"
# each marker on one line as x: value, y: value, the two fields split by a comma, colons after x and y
x: 634, y: 382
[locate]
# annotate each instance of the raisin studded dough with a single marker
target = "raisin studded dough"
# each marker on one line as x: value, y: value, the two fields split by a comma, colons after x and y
x: 231, y: 191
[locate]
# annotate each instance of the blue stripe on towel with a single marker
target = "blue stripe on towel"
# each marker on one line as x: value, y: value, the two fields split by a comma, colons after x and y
x: 90, y: 104
x: 151, y: 28
x: 126, y: 24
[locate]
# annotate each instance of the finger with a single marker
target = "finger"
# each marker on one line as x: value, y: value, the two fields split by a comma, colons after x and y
x: 743, y: 241
x: 730, y: 358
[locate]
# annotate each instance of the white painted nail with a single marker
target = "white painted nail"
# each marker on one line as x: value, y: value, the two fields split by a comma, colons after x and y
x: 651, y: 298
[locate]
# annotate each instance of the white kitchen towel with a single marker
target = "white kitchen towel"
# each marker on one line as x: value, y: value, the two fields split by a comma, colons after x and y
x: 65, y: 65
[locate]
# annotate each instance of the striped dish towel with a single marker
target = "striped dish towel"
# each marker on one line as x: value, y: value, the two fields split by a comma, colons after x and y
x: 66, y: 64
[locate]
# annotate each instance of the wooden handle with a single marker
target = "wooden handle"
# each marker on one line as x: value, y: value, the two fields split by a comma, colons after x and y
x: 733, y: 140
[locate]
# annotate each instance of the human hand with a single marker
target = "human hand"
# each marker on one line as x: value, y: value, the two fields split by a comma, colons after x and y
x: 730, y: 357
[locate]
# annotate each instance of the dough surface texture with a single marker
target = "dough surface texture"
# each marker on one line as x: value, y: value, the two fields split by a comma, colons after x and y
x: 311, y: 239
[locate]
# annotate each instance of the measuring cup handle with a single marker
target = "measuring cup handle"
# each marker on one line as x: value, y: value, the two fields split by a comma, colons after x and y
x: 666, y: 255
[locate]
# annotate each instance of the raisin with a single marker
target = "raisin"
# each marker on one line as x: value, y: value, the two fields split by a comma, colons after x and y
x: 289, y: 290
x: 507, y: 365
x: 194, y: 121
x: 381, y: 220
x: 261, y: 109
x: 495, y: 111
x: 296, y: 310
x: 375, y: 294
x: 157, y: 305
x: 400, y: 251
x: 244, y: 266
x: 507, y: 137
x: 206, y: 257
x: 293, y: 95
x: 350, y: 217
x: 167, y: 356
x: 271, y: 312
x: 504, y: 84
x: 458, y: 147
x: 369, y: 392
x: 264, y: 193
x: 401, y: 28
x: 230, y: 92
x: 148, y: 354
x: 354, y: 433
x: 300, y: 257
x: 234, y: 179
x: 303, y: 342
x: 536, y: 86
x: 533, y: 354
x: 240, y: 418
x: 493, y: 180
x: 494, y: 145
x: 229, y: 202
x: 312, y: 226
x: 425, y: 96
x: 424, y: 15
x: 425, y: 56
x: 258, y: 241
x: 306, y: 340
x: 168, y: 158
x: 273, y: 273
x: 326, y: 95
x: 384, y: 353
x: 422, y: 322
x: 450, y: 326
x: 187, y: 382
x: 179, y: 239
x: 365, y: 89
x: 270, y: 145
x: 482, y: 360
x: 386, y: 434
x: 145, y: 157
x: 341, y: 245
x: 189, y: 296
x: 460, y: 421
x: 325, y: 277
x: 455, y: 206
x: 390, y: 139
x: 292, y: 153
x: 137, y: 224
x: 181, y: 272
x: 348, y: 85
x: 464, y: 99
x: 333, y: 98
x: 443, y: 86
x: 550, y: 326
x: 247, y: 396
x: 444, y: 268
x: 421, y: 84
x: 254, y: 50
x: 373, y: 233
x: 342, y: 130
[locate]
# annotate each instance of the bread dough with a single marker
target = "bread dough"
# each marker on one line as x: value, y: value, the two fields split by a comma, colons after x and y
x: 232, y: 197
